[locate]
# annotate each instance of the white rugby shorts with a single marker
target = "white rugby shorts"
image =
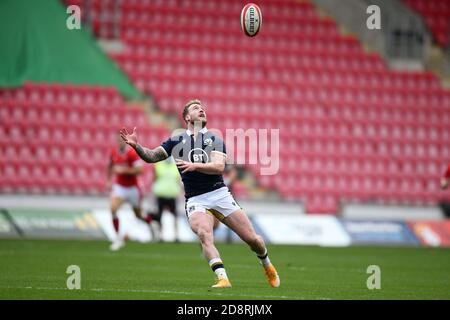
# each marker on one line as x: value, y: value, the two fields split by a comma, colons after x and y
x: 130, y: 194
x: 219, y: 202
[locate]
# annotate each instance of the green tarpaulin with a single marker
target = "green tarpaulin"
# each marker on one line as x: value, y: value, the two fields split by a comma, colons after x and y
x: 37, y: 46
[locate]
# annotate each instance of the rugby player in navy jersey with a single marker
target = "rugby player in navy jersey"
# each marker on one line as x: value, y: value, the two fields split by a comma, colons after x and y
x: 200, y: 157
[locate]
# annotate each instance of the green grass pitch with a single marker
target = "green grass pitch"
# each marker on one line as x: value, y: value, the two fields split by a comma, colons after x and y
x: 36, y: 269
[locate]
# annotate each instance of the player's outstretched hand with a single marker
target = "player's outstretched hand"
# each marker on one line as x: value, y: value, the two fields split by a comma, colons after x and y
x: 185, y: 166
x: 130, y: 139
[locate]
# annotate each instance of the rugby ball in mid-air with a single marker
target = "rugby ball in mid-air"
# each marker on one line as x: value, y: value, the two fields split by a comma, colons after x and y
x: 251, y: 19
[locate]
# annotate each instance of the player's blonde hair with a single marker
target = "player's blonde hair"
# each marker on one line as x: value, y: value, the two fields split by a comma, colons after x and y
x: 187, y: 105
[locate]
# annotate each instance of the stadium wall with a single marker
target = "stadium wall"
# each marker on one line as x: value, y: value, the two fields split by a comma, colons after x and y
x: 89, y: 219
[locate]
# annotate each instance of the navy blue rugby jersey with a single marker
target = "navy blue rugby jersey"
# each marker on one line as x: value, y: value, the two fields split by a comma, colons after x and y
x: 185, y: 147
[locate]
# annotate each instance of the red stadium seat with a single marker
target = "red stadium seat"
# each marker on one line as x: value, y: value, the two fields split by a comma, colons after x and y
x: 436, y: 16
x: 66, y: 131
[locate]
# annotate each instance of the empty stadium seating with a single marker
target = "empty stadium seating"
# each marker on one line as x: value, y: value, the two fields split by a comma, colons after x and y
x: 56, y: 139
x: 436, y: 14
x: 351, y: 130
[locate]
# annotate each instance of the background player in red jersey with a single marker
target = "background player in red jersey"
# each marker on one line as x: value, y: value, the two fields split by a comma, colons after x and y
x: 126, y: 165
x: 446, y: 178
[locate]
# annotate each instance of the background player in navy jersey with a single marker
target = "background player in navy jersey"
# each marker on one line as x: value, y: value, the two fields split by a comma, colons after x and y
x: 200, y: 157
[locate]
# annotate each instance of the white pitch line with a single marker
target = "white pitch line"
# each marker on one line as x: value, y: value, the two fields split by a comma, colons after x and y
x: 162, y: 292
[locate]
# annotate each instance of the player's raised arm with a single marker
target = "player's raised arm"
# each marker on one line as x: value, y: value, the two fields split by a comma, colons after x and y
x: 216, y: 166
x: 146, y: 154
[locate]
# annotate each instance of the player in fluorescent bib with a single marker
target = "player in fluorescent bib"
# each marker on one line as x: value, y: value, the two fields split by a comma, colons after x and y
x: 200, y: 156
x: 166, y: 188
